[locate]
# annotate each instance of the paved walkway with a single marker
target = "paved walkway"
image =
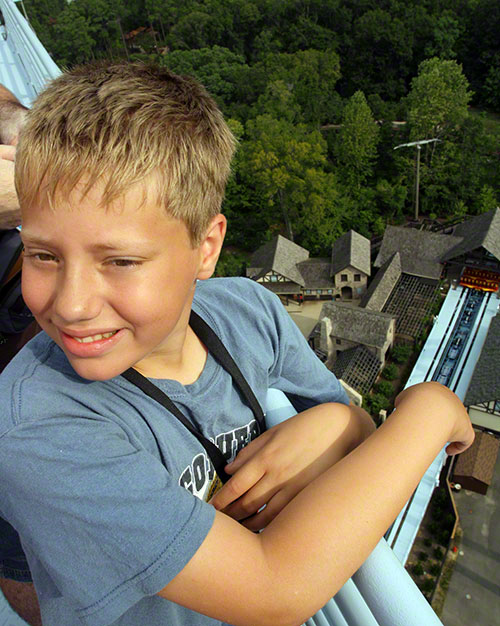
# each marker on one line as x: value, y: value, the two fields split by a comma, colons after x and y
x: 473, y: 598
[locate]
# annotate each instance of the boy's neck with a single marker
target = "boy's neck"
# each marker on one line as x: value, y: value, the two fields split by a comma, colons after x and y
x: 184, y: 366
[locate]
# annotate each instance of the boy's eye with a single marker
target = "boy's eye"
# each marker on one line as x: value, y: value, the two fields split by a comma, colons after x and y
x: 42, y: 256
x: 125, y: 262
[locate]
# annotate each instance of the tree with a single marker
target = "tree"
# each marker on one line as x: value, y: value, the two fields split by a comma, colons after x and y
x: 438, y: 99
x: 219, y: 69
x: 311, y: 75
x: 285, y: 164
x: 357, y: 143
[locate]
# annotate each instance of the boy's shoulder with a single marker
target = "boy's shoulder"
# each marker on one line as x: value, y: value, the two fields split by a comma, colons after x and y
x: 236, y: 294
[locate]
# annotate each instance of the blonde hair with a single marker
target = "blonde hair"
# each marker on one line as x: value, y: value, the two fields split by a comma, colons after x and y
x: 118, y: 123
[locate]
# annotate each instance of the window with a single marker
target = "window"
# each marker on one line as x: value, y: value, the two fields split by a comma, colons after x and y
x: 330, y: 291
x: 343, y: 277
x: 274, y: 278
x: 357, y: 277
x: 338, y: 341
x: 319, y: 292
x: 308, y: 292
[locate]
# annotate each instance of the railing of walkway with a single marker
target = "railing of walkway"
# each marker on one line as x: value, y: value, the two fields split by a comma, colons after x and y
x: 381, y: 593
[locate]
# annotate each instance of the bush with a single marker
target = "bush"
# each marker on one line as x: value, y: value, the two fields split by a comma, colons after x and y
x: 434, y: 569
x: 444, y: 537
x: 417, y: 569
x: 390, y: 372
x: 378, y: 401
x: 438, y: 554
x: 427, y: 542
x: 384, y: 387
x: 434, y: 528
x: 401, y: 353
x: 428, y: 585
x: 422, y: 556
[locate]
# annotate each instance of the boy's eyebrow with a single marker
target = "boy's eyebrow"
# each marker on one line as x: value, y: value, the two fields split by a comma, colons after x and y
x: 106, y: 246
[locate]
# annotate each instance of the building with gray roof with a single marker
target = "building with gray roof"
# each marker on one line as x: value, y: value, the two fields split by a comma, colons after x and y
x: 421, y: 252
x: 345, y: 326
x: 382, y: 284
x: 286, y: 269
x: 480, y: 234
x: 483, y: 394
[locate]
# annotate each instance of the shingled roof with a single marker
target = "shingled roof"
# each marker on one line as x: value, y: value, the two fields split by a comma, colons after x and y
x: 356, y: 324
x: 316, y: 273
x: 382, y: 284
x: 279, y: 255
x: 483, y: 230
x: 479, y: 460
x: 351, y: 249
x: 485, y: 382
x: 421, y: 251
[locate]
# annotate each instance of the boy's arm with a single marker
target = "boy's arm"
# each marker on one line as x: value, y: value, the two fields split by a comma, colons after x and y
x: 273, y: 468
x: 286, y: 573
x: 23, y: 600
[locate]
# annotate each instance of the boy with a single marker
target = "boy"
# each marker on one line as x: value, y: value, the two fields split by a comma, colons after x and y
x: 121, y: 171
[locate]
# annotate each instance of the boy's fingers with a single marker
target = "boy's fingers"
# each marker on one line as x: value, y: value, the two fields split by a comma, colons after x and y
x: 271, y: 510
x: 237, y: 486
x: 251, y: 501
x: 245, y: 454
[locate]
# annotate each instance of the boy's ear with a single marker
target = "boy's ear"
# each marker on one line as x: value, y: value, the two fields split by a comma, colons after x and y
x: 211, y: 246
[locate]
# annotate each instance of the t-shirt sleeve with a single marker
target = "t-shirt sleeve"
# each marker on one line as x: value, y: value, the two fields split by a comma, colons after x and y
x: 106, y: 521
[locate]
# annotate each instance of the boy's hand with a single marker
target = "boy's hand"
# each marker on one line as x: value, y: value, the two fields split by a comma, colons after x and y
x: 433, y: 394
x: 273, y: 468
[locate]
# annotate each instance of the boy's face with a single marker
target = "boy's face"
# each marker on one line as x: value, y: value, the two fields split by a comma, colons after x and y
x: 113, y: 286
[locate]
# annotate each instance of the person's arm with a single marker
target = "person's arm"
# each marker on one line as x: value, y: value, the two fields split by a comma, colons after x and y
x: 23, y: 600
x: 10, y: 214
x: 286, y: 573
x: 273, y: 468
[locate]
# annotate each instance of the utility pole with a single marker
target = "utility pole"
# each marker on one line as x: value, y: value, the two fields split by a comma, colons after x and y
x: 418, y: 145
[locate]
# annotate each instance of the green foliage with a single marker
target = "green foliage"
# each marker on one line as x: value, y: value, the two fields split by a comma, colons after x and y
x: 390, y: 372
x: 284, y: 163
x: 357, y: 143
x: 428, y: 585
x: 427, y: 542
x: 435, y: 569
x: 231, y: 264
x: 417, y: 569
x: 384, y: 387
x: 438, y: 554
x: 217, y: 68
x: 438, y: 99
x: 401, y: 353
x: 377, y: 402
x: 423, y: 556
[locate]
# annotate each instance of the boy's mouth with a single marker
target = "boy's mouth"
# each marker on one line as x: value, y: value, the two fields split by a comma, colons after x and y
x: 91, y: 345
x: 91, y: 338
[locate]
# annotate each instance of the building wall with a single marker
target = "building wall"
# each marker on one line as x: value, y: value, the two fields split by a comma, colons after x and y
x: 488, y: 421
x: 347, y: 278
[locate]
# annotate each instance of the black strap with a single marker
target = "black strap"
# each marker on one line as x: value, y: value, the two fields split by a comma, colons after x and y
x: 219, y: 352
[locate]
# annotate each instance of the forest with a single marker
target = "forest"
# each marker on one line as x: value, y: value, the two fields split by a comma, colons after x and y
x: 319, y: 94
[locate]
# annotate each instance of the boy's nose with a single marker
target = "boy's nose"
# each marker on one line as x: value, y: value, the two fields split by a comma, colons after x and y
x: 77, y: 298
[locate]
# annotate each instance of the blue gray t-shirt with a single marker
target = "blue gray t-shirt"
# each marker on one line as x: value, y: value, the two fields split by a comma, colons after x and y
x: 104, y: 523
